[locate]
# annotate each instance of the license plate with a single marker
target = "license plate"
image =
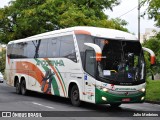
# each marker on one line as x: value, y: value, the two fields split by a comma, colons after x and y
x: 126, y: 99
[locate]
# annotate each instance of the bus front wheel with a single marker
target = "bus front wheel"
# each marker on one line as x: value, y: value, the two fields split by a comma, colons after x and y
x: 18, y: 90
x: 75, y: 96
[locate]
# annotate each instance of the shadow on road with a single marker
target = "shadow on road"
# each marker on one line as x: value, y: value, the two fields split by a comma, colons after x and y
x: 66, y: 102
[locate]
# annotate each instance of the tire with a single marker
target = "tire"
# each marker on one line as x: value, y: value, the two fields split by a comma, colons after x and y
x: 115, y: 105
x: 18, y: 89
x: 75, y: 96
x: 23, y: 87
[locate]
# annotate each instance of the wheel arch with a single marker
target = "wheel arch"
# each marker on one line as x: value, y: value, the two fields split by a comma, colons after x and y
x: 71, y: 84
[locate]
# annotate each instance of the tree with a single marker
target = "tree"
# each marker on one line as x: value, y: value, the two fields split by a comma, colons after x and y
x: 23, y: 18
x: 153, y: 10
x: 153, y: 44
x: 2, y: 60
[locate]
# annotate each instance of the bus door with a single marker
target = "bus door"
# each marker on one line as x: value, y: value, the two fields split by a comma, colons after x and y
x: 89, y: 81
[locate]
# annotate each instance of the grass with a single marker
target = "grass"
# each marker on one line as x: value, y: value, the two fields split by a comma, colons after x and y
x: 153, y: 90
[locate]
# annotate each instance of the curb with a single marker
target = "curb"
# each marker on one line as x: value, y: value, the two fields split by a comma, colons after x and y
x: 153, y: 102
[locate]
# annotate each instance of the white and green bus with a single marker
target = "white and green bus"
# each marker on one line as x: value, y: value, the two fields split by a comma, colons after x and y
x: 91, y: 64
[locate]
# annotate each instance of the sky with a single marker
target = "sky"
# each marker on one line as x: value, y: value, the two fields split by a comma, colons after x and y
x: 131, y: 17
x: 125, y: 6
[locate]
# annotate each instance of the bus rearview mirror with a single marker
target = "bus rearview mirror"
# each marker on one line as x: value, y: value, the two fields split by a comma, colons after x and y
x: 97, y: 50
x: 152, y: 55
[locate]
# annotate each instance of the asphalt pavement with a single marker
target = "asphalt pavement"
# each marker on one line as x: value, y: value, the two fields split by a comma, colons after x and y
x: 62, y: 108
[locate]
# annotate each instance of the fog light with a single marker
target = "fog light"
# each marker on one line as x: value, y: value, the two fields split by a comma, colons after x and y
x: 105, y: 89
x: 104, y: 98
x: 142, y: 98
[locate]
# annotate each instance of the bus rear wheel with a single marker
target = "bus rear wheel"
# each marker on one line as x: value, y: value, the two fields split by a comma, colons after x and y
x: 115, y: 105
x: 23, y: 87
x: 75, y: 96
x: 18, y: 89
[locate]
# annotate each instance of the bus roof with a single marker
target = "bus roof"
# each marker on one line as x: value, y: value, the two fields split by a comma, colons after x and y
x: 94, y: 31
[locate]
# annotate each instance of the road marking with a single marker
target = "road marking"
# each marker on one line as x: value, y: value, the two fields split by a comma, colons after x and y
x: 43, y: 105
x: 152, y: 104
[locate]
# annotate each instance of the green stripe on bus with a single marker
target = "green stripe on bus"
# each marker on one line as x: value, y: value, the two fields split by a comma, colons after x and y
x: 54, y: 82
x: 61, y: 79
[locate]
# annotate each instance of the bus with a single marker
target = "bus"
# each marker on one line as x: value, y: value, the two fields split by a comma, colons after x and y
x: 91, y: 64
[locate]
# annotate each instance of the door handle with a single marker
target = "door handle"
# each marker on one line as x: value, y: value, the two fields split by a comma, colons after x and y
x: 79, y: 77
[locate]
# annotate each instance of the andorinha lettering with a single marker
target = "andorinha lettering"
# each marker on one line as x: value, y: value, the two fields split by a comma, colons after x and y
x: 50, y: 62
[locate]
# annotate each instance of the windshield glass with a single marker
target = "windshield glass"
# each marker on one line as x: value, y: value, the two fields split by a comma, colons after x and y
x: 122, y: 61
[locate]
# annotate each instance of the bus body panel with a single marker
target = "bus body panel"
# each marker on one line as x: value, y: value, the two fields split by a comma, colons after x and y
x: 64, y: 71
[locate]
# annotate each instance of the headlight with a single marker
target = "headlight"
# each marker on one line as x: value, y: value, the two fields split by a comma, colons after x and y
x: 142, y: 90
x: 142, y: 98
x: 105, y: 89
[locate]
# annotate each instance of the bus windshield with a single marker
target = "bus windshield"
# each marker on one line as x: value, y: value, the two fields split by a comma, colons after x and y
x: 122, y: 61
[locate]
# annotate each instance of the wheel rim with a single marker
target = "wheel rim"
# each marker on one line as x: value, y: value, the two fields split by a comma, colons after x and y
x: 75, y: 95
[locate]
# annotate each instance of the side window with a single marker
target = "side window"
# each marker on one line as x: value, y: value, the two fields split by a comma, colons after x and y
x: 37, y: 49
x: 31, y: 49
x: 67, y: 48
x: 81, y: 39
x: 90, y: 62
x: 17, y: 51
x: 20, y: 50
x: 13, y: 55
x: 25, y: 50
x: 43, y: 49
x: 53, y: 47
x: 9, y: 50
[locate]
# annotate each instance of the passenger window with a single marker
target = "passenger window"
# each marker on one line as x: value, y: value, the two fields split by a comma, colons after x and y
x: 43, y: 48
x: 9, y: 50
x: 67, y: 48
x: 31, y: 48
x: 25, y: 50
x: 17, y: 51
x: 53, y: 47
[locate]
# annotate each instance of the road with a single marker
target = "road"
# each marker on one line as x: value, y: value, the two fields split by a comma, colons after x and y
x: 10, y: 101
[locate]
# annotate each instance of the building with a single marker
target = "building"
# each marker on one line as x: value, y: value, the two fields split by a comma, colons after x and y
x: 149, y: 32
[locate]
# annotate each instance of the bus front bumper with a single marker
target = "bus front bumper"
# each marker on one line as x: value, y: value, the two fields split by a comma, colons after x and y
x: 108, y: 98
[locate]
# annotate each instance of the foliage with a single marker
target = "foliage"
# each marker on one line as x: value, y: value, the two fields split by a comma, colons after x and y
x: 153, y: 10
x: 2, y: 60
x: 153, y: 44
x: 23, y: 18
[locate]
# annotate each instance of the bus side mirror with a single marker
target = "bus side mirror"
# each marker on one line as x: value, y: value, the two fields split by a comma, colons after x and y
x: 97, y: 49
x: 152, y: 55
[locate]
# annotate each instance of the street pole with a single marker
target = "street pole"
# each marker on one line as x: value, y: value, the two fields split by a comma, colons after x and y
x: 139, y: 20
